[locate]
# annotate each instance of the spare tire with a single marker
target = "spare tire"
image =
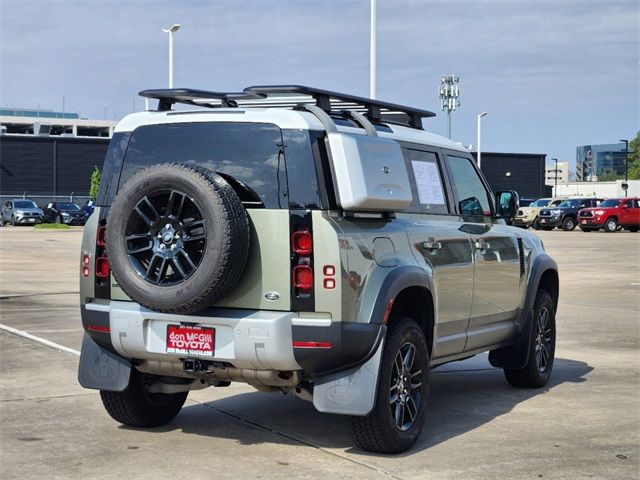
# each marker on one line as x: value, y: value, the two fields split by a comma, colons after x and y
x: 177, y: 238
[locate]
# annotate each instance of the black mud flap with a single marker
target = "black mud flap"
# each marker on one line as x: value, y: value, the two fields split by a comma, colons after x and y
x: 102, y: 370
x: 514, y: 356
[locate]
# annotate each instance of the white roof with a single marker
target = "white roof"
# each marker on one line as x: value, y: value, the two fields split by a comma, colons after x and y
x: 283, y: 118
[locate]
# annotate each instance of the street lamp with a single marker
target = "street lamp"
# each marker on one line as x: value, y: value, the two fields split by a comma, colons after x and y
x: 449, y: 93
x: 480, y: 115
x: 555, y: 183
x: 171, y: 31
x: 372, y: 52
x: 626, y: 164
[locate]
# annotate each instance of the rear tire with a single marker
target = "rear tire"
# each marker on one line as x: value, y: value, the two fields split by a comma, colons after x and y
x: 396, y: 421
x: 568, y: 224
x: 136, y: 407
x: 542, y: 347
x: 633, y: 229
x: 611, y: 225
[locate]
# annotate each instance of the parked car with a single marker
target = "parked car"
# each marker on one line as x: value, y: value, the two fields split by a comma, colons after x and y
x: 64, y: 212
x: 21, y: 211
x: 381, y: 253
x: 565, y: 215
x: 528, y: 216
x: 611, y: 214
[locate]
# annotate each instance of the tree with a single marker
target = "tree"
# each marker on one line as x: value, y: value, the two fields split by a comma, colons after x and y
x: 634, y: 158
x: 95, y: 183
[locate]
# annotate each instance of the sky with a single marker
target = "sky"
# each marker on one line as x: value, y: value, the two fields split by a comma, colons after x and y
x: 552, y: 74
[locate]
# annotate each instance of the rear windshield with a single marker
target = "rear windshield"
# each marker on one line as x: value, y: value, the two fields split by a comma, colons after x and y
x: 251, y: 154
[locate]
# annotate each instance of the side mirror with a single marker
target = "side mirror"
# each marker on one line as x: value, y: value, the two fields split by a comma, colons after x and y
x: 507, y: 204
x: 624, y: 205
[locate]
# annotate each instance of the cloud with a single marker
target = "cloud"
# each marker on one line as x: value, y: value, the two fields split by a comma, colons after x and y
x: 552, y: 74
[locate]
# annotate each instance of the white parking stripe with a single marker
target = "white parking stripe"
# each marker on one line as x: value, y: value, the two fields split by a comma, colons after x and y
x: 44, y: 341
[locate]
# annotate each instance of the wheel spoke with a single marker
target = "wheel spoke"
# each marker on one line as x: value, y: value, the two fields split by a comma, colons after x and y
x: 145, y: 202
x: 399, y: 415
x: 185, y: 255
x: 162, y: 271
x: 151, y: 265
x: 195, y: 237
x: 412, y: 408
x: 398, y: 365
x: 407, y: 361
x: 144, y: 248
x: 178, y: 268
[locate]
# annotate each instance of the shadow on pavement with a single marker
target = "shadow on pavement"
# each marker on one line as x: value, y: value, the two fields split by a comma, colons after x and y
x: 460, y: 401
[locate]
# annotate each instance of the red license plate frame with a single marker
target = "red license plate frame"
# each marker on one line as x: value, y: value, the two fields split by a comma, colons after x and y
x: 191, y: 340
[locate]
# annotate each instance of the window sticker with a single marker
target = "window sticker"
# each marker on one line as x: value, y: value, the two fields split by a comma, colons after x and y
x: 428, y: 183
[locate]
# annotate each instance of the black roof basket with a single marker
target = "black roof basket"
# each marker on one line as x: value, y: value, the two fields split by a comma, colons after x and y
x: 292, y: 96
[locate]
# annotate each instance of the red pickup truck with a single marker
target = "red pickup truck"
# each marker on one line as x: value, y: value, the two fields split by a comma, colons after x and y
x: 611, y: 214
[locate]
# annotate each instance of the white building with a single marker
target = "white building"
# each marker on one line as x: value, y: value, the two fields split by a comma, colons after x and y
x: 562, y: 173
x: 597, y: 189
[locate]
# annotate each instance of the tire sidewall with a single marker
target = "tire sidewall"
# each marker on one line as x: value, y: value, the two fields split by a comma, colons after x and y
x: 543, y: 299
x: 568, y: 224
x: 147, y: 182
x: 611, y: 225
x: 401, y: 332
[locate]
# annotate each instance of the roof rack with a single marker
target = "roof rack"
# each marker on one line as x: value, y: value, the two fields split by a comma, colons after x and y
x: 292, y: 96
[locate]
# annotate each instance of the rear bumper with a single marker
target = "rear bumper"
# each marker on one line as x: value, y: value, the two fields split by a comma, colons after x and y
x: 252, y: 339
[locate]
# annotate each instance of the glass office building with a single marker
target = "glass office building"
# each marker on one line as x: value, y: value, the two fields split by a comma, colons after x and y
x: 25, y: 112
x: 593, y: 161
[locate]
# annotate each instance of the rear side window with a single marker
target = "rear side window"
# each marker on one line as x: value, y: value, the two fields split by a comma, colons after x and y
x: 248, y: 155
x: 426, y: 182
x: 473, y: 197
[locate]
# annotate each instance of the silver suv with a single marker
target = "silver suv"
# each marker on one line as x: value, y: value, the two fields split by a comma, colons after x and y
x: 306, y: 242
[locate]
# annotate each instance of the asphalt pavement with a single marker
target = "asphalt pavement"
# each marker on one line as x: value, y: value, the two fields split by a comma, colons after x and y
x: 584, y: 424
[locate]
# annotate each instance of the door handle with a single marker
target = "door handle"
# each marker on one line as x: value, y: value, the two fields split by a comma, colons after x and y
x: 431, y: 245
x: 482, y: 246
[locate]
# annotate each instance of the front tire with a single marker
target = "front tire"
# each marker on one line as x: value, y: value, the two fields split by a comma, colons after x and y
x: 542, y: 346
x: 568, y: 224
x: 400, y: 408
x: 611, y: 225
x: 136, y: 407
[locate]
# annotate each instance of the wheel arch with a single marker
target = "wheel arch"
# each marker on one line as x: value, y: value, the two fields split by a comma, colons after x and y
x: 407, y: 291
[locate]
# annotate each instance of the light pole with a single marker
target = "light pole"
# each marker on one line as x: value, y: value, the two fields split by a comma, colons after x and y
x: 449, y: 93
x: 626, y: 164
x: 555, y: 183
x: 171, y: 31
x: 480, y: 115
x: 372, y: 52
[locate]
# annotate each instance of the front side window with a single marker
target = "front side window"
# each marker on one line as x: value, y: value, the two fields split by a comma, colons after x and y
x: 426, y: 182
x: 473, y: 197
x: 570, y: 203
x: 249, y: 155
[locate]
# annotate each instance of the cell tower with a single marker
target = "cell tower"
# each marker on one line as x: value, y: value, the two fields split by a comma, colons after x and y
x: 449, y: 93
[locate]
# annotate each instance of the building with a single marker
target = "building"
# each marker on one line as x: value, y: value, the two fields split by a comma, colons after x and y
x: 559, y: 174
x: 46, y: 155
x: 598, y: 189
x: 522, y: 172
x: 598, y: 161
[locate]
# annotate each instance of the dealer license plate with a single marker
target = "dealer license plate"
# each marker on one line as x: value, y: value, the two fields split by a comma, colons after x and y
x: 193, y: 341
x: 584, y: 221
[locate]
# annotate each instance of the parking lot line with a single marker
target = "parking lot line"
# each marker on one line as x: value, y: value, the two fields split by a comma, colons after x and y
x: 44, y: 341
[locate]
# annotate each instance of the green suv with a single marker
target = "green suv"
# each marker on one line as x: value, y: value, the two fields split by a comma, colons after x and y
x: 306, y: 242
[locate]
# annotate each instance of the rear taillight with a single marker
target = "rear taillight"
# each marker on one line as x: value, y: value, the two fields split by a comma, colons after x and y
x: 302, y: 264
x: 302, y: 242
x: 303, y: 277
x: 101, y: 236
x: 102, y: 267
x: 86, y: 259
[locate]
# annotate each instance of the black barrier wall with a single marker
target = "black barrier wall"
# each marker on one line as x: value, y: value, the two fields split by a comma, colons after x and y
x: 48, y: 166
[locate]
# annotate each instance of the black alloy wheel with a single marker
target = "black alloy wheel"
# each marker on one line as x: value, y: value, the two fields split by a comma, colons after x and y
x: 543, y: 342
x: 405, y: 396
x: 165, y: 237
